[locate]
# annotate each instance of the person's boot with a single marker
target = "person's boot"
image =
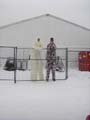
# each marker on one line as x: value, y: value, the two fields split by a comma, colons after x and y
x: 54, y: 79
x: 47, y: 79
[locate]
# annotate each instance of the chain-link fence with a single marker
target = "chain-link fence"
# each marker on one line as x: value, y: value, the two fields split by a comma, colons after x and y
x: 16, y: 63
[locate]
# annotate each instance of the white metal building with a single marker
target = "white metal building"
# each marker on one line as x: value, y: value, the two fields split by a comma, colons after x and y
x: 66, y: 34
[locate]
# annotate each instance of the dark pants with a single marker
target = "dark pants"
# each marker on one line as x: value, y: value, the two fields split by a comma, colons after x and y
x: 50, y: 67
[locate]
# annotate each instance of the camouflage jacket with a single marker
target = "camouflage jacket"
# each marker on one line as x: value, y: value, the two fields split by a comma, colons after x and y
x: 51, y: 53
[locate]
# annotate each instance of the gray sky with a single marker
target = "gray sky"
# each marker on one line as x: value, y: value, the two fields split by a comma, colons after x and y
x: 76, y: 11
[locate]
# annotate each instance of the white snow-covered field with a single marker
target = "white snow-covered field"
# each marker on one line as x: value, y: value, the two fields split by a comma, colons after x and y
x: 40, y: 100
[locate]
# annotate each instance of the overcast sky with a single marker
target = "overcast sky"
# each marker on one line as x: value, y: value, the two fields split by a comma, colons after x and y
x: 76, y: 11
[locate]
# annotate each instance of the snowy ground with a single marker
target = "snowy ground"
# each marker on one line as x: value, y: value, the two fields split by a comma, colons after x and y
x: 26, y: 75
x: 40, y: 100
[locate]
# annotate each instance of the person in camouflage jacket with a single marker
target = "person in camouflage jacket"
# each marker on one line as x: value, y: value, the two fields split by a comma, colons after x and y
x: 51, y: 59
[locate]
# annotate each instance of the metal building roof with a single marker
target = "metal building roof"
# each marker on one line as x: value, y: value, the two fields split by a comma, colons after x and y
x: 45, y: 15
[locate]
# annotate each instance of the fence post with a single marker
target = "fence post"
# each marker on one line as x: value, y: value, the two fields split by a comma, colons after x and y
x: 66, y: 63
x: 15, y: 63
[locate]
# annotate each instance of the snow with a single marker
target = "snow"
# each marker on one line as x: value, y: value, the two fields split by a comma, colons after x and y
x: 40, y: 100
x: 26, y: 75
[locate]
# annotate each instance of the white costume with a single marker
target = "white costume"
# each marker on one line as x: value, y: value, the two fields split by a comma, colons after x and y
x: 36, y: 63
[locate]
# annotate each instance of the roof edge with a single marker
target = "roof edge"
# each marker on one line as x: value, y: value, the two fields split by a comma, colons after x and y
x: 77, y: 25
x: 44, y: 15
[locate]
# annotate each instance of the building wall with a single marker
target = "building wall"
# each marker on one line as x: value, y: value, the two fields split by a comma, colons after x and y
x: 23, y: 34
x: 69, y: 35
x: 65, y: 34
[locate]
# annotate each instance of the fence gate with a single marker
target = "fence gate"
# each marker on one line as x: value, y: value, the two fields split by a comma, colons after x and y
x: 24, y: 63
